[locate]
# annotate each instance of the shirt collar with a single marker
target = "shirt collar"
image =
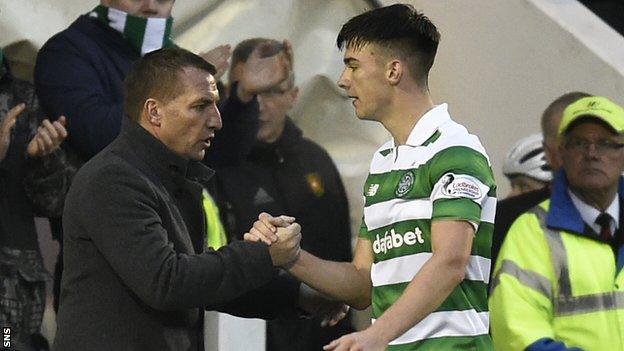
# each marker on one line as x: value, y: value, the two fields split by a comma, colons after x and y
x: 589, y: 213
x: 427, y: 125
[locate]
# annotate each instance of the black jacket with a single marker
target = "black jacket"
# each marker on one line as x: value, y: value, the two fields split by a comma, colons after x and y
x: 293, y: 176
x: 136, y: 274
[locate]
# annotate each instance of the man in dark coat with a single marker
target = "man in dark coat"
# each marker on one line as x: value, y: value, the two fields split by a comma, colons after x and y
x: 136, y: 273
x: 34, y: 176
x: 287, y: 173
x: 80, y: 73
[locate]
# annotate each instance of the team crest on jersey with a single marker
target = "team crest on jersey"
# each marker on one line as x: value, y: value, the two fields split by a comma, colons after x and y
x: 405, y: 184
x: 315, y: 184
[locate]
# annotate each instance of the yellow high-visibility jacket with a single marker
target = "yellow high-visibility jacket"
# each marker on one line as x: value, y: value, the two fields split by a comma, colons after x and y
x: 555, y: 279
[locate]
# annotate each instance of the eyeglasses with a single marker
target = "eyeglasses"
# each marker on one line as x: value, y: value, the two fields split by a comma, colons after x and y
x: 603, y: 146
x: 274, y: 92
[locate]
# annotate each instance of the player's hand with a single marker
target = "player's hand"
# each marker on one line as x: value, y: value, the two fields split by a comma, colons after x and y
x: 285, y: 251
x: 360, y: 341
x: 317, y: 304
x: 265, y: 228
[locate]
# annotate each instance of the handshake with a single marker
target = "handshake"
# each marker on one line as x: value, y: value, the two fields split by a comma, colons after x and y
x: 282, y: 234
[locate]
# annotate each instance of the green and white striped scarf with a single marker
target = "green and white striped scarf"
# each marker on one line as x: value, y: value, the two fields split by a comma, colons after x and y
x: 145, y: 34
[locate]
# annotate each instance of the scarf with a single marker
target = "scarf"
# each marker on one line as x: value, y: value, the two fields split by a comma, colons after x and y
x: 144, y: 34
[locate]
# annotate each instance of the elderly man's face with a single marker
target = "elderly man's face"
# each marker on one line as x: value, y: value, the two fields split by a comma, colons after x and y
x: 592, y: 156
x: 142, y: 8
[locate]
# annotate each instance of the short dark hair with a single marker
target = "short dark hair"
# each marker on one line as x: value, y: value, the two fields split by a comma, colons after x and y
x: 555, y: 109
x: 401, y: 31
x: 157, y: 75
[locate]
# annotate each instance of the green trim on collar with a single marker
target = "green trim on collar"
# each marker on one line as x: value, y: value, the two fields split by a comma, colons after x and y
x: 432, y: 138
x: 385, y: 152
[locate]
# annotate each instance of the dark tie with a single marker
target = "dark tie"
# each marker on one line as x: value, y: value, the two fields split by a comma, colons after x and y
x: 604, y: 221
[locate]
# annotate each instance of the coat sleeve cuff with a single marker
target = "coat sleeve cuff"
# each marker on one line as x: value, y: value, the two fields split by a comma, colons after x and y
x: 547, y: 344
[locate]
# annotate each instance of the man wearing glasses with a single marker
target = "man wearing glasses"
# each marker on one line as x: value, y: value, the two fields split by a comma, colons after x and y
x: 287, y: 173
x: 558, y: 283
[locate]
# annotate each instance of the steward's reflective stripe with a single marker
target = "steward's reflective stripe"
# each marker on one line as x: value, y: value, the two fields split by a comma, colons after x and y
x: 565, y: 304
x: 558, y: 252
x: 527, y: 278
x: 590, y: 303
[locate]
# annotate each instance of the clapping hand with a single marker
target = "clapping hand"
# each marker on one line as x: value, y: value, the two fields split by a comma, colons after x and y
x: 7, y: 126
x: 218, y: 57
x: 49, y: 137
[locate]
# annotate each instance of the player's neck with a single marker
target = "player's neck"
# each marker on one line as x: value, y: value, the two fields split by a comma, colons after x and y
x: 404, y: 112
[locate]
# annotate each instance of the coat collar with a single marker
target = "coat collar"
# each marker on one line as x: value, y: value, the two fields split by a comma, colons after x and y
x: 563, y: 215
x: 159, y: 157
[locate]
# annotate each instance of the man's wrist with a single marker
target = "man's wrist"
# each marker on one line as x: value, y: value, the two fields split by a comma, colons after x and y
x: 381, y: 332
x: 242, y: 94
x: 290, y: 264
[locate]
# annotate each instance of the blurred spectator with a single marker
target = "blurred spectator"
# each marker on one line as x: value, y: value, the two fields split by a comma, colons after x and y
x: 287, y: 173
x: 558, y: 280
x: 525, y: 166
x: 80, y: 71
x: 509, y: 209
x: 34, y: 176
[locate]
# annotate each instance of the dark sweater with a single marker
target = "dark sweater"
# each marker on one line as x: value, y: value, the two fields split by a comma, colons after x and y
x: 293, y: 176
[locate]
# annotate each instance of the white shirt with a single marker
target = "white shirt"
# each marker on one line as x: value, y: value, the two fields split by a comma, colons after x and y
x: 589, y: 213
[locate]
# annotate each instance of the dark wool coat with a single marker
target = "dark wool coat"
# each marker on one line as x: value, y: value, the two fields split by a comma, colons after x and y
x: 136, y: 274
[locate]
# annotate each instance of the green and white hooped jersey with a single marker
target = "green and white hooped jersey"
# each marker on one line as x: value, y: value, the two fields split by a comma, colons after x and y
x: 442, y: 172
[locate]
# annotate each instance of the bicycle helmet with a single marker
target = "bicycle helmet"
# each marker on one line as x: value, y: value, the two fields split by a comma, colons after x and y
x: 527, y: 158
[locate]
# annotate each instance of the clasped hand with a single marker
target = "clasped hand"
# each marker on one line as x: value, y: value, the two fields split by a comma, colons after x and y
x: 282, y: 235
